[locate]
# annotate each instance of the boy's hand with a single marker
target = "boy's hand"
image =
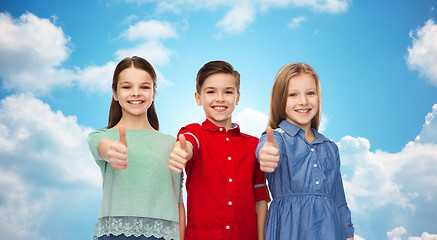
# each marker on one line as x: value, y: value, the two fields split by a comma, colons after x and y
x: 117, y: 153
x: 181, y: 154
x: 269, y: 153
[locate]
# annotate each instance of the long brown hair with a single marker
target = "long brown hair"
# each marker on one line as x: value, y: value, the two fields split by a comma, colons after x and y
x: 115, y: 112
x: 278, y: 98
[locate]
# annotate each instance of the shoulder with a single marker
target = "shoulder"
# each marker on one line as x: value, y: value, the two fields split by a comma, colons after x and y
x: 190, y: 127
x: 249, y: 137
x: 100, y: 134
x: 327, y: 142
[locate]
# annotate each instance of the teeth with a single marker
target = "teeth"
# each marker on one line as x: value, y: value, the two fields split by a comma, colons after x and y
x: 135, y: 102
x: 303, y: 111
x: 219, y: 108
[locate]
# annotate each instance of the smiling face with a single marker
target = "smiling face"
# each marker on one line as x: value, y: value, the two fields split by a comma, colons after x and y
x: 302, y: 101
x: 135, y: 92
x: 218, y: 96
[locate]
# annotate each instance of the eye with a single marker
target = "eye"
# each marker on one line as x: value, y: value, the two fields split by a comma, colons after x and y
x: 145, y: 87
x: 125, y: 87
x: 312, y: 93
x: 210, y: 92
x: 229, y: 92
x: 292, y: 94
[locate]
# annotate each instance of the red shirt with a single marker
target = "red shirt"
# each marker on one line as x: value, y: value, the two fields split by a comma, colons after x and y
x: 223, y: 183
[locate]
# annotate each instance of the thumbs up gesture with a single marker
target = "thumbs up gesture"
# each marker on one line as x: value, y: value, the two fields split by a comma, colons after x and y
x: 180, y: 155
x: 269, y: 153
x: 117, y: 152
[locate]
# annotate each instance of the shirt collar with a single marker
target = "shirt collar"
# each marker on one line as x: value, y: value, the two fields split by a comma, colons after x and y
x: 207, y: 124
x: 293, y: 130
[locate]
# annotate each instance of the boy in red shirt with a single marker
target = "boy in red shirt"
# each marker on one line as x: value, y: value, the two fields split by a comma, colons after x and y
x: 227, y: 192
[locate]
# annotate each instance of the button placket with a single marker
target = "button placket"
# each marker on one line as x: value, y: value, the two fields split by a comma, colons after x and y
x: 229, y: 182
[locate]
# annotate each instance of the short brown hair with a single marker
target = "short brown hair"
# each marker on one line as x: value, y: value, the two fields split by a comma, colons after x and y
x: 279, y: 95
x: 215, y: 67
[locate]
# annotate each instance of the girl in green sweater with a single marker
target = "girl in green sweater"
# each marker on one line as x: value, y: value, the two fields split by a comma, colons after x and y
x: 141, y: 198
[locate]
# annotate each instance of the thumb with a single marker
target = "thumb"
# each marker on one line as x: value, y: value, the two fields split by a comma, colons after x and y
x: 183, y: 142
x: 122, y: 134
x: 270, y: 137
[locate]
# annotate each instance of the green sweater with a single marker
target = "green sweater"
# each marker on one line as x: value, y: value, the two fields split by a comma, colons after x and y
x: 147, y: 188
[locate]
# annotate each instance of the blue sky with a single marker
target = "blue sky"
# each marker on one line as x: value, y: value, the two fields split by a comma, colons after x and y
x: 377, y: 63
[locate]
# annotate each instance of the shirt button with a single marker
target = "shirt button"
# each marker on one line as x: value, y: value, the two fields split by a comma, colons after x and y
x: 312, y: 149
x: 227, y: 139
x: 229, y: 158
x: 220, y: 129
x: 315, y: 165
x: 230, y: 179
x: 317, y: 182
x: 229, y: 203
x: 228, y: 227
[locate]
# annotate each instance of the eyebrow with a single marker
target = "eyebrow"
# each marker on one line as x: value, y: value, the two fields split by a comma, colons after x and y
x: 128, y: 82
x: 226, y: 88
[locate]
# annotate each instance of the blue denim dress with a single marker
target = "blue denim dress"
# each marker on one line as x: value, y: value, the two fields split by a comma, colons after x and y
x: 307, y: 189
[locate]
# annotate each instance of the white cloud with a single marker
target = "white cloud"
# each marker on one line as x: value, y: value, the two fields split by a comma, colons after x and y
x: 150, y: 30
x: 31, y: 50
x: 96, y: 78
x: 399, y: 233
x: 44, y: 153
x: 396, y: 233
x: 17, y: 209
x: 155, y: 52
x: 422, y: 56
x: 429, y: 130
x: 35, y: 137
x: 402, y: 182
x: 241, y: 13
x: 237, y: 19
x: 295, y: 22
x: 425, y: 236
x: 251, y: 121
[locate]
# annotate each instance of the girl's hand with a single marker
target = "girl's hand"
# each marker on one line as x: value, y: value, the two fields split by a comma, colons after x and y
x: 181, y: 154
x: 269, y: 153
x: 117, y: 153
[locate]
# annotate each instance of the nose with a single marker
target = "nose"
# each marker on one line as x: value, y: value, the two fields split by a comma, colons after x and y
x: 303, y: 99
x: 135, y: 91
x: 219, y: 97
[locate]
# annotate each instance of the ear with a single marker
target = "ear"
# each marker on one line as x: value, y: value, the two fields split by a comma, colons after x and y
x: 198, y: 101
x: 114, y: 95
x: 238, y: 99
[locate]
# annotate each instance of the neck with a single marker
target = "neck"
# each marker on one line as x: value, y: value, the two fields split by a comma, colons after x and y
x: 309, y: 135
x: 135, y: 123
x: 227, y: 124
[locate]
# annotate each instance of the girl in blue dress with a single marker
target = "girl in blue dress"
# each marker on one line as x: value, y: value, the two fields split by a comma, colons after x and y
x: 302, y: 165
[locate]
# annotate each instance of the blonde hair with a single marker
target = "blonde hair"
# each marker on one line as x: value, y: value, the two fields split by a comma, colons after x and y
x: 279, y: 95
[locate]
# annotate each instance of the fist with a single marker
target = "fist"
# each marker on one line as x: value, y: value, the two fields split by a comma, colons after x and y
x: 117, y: 153
x: 180, y: 155
x: 269, y: 154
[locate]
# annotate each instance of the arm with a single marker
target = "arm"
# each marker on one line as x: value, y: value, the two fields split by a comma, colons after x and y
x: 181, y: 220
x: 261, y: 215
x: 115, y: 152
x: 340, y: 201
x: 180, y: 155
